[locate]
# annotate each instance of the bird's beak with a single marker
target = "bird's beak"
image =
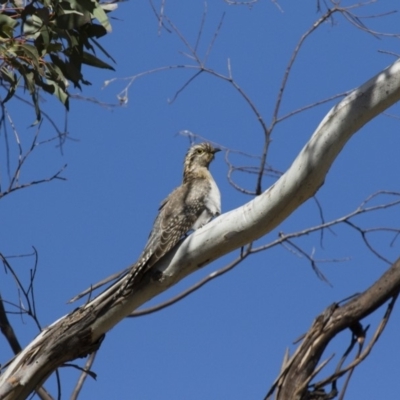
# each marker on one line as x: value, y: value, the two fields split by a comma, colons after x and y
x: 216, y: 150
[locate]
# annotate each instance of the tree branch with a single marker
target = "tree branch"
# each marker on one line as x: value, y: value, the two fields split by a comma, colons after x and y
x: 293, y: 382
x: 81, y: 332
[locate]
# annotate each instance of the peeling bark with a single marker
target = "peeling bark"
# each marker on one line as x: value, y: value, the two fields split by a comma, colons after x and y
x: 298, y: 371
x: 81, y: 332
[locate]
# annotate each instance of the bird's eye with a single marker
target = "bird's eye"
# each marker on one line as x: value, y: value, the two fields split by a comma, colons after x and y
x: 199, y: 151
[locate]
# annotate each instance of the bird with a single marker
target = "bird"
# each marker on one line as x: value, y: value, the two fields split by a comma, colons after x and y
x: 188, y: 207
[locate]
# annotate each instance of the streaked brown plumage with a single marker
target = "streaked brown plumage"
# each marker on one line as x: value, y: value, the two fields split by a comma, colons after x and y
x: 189, y: 206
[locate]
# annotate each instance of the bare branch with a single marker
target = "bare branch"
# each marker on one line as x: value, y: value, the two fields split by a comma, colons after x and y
x: 159, y: 16
x: 185, y: 85
x: 200, y: 31
x: 293, y: 382
x: 81, y: 332
x: 309, y: 106
x: 313, y: 262
x: 248, y: 3
x: 356, y: 21
x: 196, y: 286
x: 28, y: 294
x: 7, y: 330
x: 85, y: 372
x: 295, y: 53
x: 361, y: 355
x: 362, y: 209
x: 210, y: 46
x: 37, y: 182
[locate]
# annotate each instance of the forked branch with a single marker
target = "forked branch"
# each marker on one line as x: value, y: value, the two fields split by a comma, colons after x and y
x: 294, y: 380
x: 82, y: 331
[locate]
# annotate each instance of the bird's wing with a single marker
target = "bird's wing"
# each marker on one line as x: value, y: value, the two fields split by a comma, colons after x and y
x: 175, y: 218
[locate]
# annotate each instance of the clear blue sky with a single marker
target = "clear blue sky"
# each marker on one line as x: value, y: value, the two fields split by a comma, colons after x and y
x: 227, y: 340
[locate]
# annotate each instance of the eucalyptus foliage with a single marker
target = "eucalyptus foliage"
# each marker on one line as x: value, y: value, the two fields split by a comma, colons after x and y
x: 44, y: 43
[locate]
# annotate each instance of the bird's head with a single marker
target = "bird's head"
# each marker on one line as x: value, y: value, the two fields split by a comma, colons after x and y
x: 199, y: 155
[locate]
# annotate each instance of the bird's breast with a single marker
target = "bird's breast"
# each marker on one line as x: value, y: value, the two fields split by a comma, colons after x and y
x: 213, y: 199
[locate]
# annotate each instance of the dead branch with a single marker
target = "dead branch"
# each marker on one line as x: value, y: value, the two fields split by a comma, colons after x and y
x: 85, y: 373
x: 294, y: 381
x: 5, y: 325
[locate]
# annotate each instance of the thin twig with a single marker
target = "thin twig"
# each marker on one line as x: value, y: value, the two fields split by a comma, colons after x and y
x: 196, y: 286
x: 82, y: 378
x: 37, y: 182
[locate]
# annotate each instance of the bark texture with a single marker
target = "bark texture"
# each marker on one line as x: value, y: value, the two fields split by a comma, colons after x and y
x: 81, y: 332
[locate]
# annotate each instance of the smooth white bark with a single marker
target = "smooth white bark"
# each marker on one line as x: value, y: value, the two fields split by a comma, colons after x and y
x: 237, y: 227
x: 259, y: 216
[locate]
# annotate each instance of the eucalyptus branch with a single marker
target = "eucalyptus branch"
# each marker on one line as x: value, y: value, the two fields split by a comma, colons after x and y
x: 299, y: 369
x: 243, y: 255
x: 362, y: 209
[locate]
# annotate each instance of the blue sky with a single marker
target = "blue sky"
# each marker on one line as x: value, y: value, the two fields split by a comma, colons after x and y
x: 227, y: 340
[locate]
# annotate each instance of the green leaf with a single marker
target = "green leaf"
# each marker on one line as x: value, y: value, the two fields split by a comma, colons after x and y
x: 31, y: 27
x: 94, y: 8
x: 12, y: 79
x: 48, y: 3
x: 43, y: 42
x: 73, y: 41
x: 17, y: 3
x: 102, y: 49
x: 72, y: 19
x: 95, y: 30
x: 29, y: 52
x: 90, y: 59
x: 54, y: 47
x: 101, y: 16
x: 88, y: 5
x: 69, y: 70
x: 29, y: 79
x: 54, y: 73
x: 59, y: 93
x: 108, y: 7
x: 8, y: 75
x: 7, y: 25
